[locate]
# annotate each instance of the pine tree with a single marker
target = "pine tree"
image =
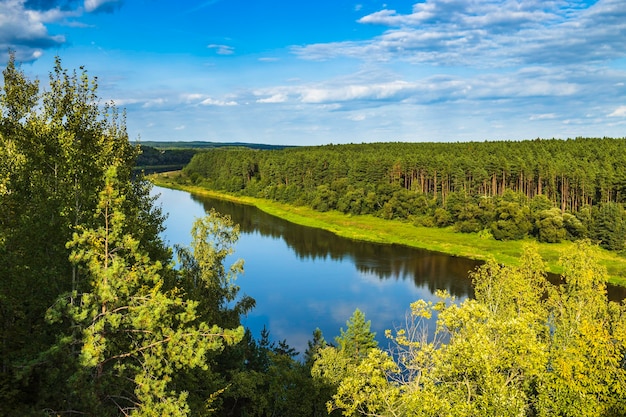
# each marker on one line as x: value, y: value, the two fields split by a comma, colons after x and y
x: 357, y: 339
x: 134, y: 333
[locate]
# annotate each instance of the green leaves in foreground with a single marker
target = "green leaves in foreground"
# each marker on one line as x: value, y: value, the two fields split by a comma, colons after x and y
x: 522, y: 347
x: 134, y: 331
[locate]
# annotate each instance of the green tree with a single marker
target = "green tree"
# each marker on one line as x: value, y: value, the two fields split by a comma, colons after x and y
x: 511, y: 220
x: 134, y: 334
x: 203, y: 272
x: 357, y: 339
x: 609, y: 226
x: 335, y: 365
x: 56, y: 148
x: 585, y: 375
x: 550, y: 226
x: 497, y: 342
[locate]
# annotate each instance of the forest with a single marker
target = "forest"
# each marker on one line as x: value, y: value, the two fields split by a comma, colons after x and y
x: 97, y: 318
x: 549, y: 189
x: 172, y: 156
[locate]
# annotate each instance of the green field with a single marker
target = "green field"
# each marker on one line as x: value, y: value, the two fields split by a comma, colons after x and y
x: 373, y: 229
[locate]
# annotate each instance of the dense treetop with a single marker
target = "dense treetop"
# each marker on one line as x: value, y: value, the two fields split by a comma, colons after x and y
x: 552, y: 189
x: 95, y: 320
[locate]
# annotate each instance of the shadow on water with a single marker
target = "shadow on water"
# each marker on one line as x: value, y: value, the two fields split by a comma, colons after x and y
x: 427, y: 269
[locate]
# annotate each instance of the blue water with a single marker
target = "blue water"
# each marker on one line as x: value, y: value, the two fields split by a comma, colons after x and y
x: 303, y: 278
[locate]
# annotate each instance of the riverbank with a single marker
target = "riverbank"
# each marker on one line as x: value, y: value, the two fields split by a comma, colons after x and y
x: 373, y: 229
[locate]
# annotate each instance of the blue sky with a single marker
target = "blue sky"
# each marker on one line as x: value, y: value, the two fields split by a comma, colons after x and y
x: 337, y: 71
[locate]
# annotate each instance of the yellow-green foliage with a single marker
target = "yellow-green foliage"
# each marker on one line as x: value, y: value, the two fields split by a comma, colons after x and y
x: 522, y: 347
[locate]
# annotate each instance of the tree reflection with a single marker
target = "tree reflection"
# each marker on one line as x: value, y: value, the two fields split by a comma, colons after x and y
x: 427, y: 269
x: 432, y: 270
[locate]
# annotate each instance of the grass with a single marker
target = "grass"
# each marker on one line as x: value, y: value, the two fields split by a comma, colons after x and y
x: 374, y: 229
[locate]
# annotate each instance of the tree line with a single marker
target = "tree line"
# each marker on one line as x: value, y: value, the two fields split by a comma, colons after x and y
x: 96, y: 319
x: 550, y: 189
x: 173, y: 156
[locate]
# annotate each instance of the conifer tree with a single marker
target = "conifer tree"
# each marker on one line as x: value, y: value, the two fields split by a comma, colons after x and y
x: 134, y: 333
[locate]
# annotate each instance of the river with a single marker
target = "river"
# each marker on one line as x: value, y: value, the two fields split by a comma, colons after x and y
x: 303, y: 278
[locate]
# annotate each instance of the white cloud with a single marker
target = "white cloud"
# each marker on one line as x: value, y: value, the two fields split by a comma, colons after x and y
x: 356, y: 92
x: 192, y: 97
x: 485, y: 33
x: 356, y: 117
x: 421, y: 12
x: 619, y: 112
x: 222, y: 49
x: 155, y: 102
x: 276, y: 98
x: 121, y: 102
x: 102, y: 5
x: 181, y: 127
x: 212, y: 102
x: 25, y: 31
x: 24, y: 26
x: 545, y: 116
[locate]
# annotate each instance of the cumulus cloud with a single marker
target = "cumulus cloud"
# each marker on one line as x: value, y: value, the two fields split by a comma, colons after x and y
x: 24, y: 23
x: 24, y: 30
x: 488, y: 32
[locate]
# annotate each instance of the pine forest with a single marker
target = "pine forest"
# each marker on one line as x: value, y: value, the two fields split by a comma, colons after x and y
x: 99, y: 317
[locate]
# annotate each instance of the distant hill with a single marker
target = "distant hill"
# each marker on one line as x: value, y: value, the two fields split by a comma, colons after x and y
x: 206, y: 145
x: 171, y: 156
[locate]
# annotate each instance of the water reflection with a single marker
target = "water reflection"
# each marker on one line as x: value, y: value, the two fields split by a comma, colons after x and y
x: 303, y: 278
x: 427, y: 269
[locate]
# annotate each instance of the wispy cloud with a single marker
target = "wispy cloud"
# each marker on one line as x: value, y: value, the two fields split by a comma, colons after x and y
x: 102, y: 5
x: 275, y: 98
x: 222, y: 103
x: 222, y: 49
x: 488, y: 32
x: 619, y: 112
x: 202, y: 5
x: 545, y: 116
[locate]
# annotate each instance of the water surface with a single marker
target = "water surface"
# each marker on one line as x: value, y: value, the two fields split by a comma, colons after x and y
x: 303, y: 278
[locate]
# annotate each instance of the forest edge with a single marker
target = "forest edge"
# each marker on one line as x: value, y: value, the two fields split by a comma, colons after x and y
x: 374, y: 229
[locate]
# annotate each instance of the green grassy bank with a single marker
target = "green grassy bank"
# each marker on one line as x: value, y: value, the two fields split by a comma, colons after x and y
x: 374, y: 229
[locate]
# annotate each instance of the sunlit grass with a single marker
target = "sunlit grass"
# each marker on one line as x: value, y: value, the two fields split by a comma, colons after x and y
x: 479, y: 246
